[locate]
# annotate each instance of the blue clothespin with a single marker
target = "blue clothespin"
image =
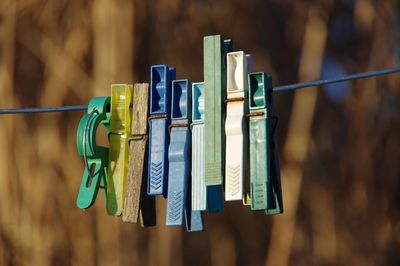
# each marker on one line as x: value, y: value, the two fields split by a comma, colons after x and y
x: 161, y: 77
x: 179, y: 160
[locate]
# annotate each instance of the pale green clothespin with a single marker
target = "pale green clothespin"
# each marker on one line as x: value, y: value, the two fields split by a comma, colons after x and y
x: 265, y: 178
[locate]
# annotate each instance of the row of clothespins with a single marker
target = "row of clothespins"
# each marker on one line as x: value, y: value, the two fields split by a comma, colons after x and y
x: 188, y: 142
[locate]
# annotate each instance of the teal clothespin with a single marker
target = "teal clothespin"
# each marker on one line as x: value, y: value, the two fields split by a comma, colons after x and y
x: 215, y: 50
x: 266, y: 193
x: 95, y: 157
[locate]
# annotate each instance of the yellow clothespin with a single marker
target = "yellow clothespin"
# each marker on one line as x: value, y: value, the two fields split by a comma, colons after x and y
x: 120, y: 131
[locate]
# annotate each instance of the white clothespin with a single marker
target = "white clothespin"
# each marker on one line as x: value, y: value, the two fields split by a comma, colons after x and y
x: 235, y: 124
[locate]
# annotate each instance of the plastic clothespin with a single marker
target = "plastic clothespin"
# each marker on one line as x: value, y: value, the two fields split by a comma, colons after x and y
x: 215, y: 50
x: 266, y: 193
x: 179, y: 182
x: 160, y: 112
x: 137, y: 202
x: 95, y: 157
x: 199, y: 199
x: 120, y: 131
x: 179, y: 154
x: 235, y: 125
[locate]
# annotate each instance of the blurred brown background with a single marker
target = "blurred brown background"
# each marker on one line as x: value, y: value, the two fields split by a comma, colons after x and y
x: 339, y: 145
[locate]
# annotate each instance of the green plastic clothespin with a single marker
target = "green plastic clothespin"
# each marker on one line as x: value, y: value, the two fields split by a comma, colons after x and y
x: 265, y: 180
x: 95, y: 157
x: 215, y: 50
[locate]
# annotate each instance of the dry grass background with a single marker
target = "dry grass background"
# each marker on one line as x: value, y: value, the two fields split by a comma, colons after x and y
x: 340, y: 159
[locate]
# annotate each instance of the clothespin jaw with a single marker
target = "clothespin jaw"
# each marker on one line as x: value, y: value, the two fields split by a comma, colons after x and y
x: 120, y: 131
x: 194, y: 218
x: 215, y: 49
x: 265, y: 181
x: 235, y: 126
x: 160, y: 116
x: 95, y: 157
x: 199, y: 200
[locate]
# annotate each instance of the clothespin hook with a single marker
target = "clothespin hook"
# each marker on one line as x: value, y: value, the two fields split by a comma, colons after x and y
x: 94, y: 156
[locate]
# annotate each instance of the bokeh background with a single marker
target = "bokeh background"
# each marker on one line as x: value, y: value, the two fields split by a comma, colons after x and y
x: 339, y: 145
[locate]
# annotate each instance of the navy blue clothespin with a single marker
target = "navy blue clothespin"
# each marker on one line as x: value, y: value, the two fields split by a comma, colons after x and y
x: 179, y: 160
x: 161, y: 77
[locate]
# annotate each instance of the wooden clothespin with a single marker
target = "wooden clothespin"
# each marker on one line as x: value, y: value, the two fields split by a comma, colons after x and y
x: 120, y: 131
x: 179, y: 159
x: 95, y: 157
x: 266, y: 193
x: 137, y: 202
x: 215, y: 49
x: 159, y: 120
x: 199, y: 199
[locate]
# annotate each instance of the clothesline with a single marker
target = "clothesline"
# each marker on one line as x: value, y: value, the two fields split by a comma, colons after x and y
x: 290, y: 87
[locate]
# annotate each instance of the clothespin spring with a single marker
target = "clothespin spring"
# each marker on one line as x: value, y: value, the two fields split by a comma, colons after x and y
x: 84, y: 141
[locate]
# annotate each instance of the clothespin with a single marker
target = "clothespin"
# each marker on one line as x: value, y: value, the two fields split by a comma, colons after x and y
x: 215, y: 50
x: 160, y: 112
x: 235, y: 126
x: 266, y: 193
x: 179, y: 153
x: 94, y: 156
x: 120, y: 131
x: 198, y: 179
x: 136, y: 199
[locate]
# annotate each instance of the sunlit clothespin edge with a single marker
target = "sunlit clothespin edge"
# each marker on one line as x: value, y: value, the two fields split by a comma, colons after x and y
x: 95, y: 157
x: 120, y: 131
x: 235, y: 126
x: 215, y: 49
x: 199, y: 199
x: 265, y: 182
x: 161, y: 77
x: 137, y: 202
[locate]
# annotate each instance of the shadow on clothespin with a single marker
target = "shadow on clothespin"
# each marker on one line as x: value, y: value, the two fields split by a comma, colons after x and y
x: 179, y: 197
x: 137, y: 202
x: 215, y: 50
x: 266, y: 193
x: 120, y: 131
x: 161, y: 77
x: 95, y: 157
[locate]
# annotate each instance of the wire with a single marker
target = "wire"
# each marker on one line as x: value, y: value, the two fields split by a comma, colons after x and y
x: 290, y: 87
x: 43, y: 110
x: 369, y: 74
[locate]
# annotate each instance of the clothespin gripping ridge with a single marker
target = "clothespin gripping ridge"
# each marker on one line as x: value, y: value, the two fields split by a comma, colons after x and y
x: 95, y: 157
